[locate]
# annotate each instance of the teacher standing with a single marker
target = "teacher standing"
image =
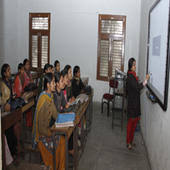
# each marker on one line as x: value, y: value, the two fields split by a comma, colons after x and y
x: 133, y: 100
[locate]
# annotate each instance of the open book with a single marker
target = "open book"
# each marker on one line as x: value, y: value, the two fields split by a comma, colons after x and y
x: 65, y: 120
x: 82, y: 98
x: 75, y: 102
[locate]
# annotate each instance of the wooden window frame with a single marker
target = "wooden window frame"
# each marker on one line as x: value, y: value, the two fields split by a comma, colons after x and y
x: 104, y: 36
x: 37, y: 32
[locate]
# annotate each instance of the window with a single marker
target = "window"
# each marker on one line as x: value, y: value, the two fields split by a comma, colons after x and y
x: 111, y: 40
x: 39, y: 40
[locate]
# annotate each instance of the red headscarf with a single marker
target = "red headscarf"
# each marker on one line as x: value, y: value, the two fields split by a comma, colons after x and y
x: 134, y: 74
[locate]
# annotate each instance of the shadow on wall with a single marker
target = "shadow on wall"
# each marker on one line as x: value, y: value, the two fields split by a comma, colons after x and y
x: 2, y: 51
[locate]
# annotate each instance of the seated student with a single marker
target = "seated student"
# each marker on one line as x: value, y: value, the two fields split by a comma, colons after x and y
x: 19, y: 86
x: 56, y: 67
x: 77, y: 84
x: 45, y: 116
x: 27, y: 74
x: 6, y: 86
x: 70, y: 96
x: 52, y: 68
x: 27, y: 80
x: 19, y: 91
x: 65, y: 80
x: 47, y: 69
x: 6, y: 92
x: 59, y: 99
x: 19, y: 81
x: 61, y: 104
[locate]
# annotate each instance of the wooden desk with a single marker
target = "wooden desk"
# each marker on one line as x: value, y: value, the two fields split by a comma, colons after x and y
x: 28, y: 105
x: 11, y: 118
x: 68, y: 131
x: 31, y: 102
x: 8, y: 120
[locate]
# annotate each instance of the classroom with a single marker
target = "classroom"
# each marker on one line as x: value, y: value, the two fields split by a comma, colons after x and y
x: 84, y: 85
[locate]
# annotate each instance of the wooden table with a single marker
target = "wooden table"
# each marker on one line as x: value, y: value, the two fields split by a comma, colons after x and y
x: 8, y: 120
x: 68, y: 131
x: 11, y: 118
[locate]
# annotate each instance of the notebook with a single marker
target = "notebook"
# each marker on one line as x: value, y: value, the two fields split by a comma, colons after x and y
x: 65, y: 120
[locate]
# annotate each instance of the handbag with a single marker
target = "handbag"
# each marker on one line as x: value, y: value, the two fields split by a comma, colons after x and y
x: 16, y: 103
x: 30, y: 87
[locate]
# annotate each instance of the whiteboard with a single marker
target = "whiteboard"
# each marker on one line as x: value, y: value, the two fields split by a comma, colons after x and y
x: 158, y: 51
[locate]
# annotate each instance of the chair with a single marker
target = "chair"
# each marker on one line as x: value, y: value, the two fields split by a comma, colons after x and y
x: 120, y: 93
x: 109, y: 97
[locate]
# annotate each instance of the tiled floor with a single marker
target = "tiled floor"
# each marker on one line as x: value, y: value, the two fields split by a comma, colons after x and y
x: 105, y: 149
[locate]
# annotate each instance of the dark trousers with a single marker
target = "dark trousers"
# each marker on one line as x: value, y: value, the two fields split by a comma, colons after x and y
x: 131, y: 126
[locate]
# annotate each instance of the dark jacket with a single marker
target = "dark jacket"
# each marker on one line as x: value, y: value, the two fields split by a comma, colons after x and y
x: 77, y: 86
x: 133, y: 88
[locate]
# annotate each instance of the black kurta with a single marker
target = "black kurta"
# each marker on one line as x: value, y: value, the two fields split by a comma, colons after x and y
x: 77, y: 86
x: 133, y: 88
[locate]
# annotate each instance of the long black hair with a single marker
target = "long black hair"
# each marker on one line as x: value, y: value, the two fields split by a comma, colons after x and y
x: 64, y: 72
x: 58, y: 77
x: 46, y: 66
x: 25, y: 61
x: 3, y: 70
x: 130, y: 63
x: 47, y: 79
x: 75, y: 70
x: 56, y: 62
x: 20, y: 66
x: 67, y: 67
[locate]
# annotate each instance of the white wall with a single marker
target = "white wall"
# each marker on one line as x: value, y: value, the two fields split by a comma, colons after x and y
x: 74, y: 32
x: 154, y: 122
x: 1, y: 32
x: 8, y: 35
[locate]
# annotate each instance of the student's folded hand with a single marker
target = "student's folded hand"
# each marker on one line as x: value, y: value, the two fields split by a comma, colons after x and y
x: 67, y: 105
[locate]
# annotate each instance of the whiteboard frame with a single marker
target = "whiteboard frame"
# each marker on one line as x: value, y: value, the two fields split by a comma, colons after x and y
x: 164, y: 103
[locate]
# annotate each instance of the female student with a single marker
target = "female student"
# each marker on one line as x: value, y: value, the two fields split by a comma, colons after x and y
x: 61, y: 104
x: 6, y: 92
x: 133, y: 88
x: 77, y: 84
x: 47, y: 69
x: 52, y: 68
x: 19, y: 81
x: 27, y: 80
x: 57, y: 67
x: 65, y: 80
x: 19, y: 92
x: 27, y: 73
x: 45, y: 113
x: 59, y: 99
x: 70, y: 96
